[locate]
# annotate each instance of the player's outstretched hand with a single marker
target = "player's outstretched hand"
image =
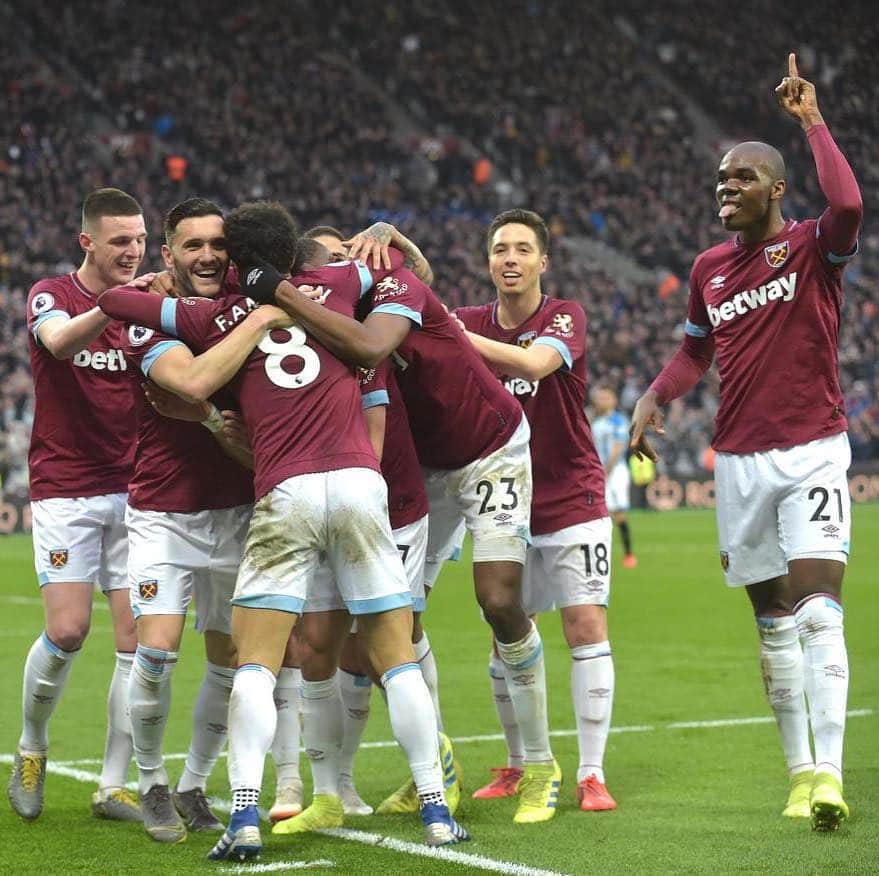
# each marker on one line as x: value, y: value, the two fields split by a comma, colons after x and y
x: 647, y: 414
x: 374, y: 242
x: 167, y: 404
x: 796, y: 96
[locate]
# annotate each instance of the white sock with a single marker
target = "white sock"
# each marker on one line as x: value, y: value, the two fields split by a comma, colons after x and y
x: 592, y: 683
x: 781, y: 659
x: 45, y: 675
x: 322, y: 732
x: 149, y: 702
x: 285, y: 748
x: 356, y: 690
x: 427, y: 662
x: 120, y: 745
x: 505, y: 712
x: 413, y: 723
x: 210, y: 719
x: 825, y: 669
x: 526, y: 683
x: 252, y: 718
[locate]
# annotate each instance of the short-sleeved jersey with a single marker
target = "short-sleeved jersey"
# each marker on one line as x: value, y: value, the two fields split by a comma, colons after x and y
x: 82, y: 441
x: 457, y: 411
x: 407, y: 500
x: 568, y: 476
x: 178, y: 466
x: 772, y: 309
x: 612, y: 428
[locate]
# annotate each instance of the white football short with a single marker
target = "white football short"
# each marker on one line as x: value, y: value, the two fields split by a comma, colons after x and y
x: 617, y: 490
x: 81, y: 540
x: 337, y: 518
x: 173, y: 557
x: 568, y: 567
x: 493, y: 498
x: 411, y: 542
x: 782, y: 505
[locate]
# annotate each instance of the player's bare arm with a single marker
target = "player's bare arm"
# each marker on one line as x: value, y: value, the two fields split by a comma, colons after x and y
x: 531, y: 363
x: 796, y: 96
x: 64, y: 338
x: 197, y: 378
x: 375, y: 241
x: 169, y: 404
x: 364, y: 344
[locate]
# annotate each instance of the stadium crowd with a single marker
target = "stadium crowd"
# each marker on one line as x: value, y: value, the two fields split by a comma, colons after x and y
x: 434, y: 119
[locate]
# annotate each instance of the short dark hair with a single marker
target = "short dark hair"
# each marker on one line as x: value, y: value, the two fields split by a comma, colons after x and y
x: 523, y: 217
x: 309, y: 254
x: 108, y: 202
x: 324, y: 230
x: 187, y: 210
x: 261, y: 232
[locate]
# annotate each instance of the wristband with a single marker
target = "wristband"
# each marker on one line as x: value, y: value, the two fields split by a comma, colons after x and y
x: 259, y: 283
x: 214, y: 421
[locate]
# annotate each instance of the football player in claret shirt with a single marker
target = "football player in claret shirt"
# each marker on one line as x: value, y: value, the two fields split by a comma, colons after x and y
x: 766, y: 303
x: 472, y: 442
x: 189, y: 506
x: 81, y: 457
x: 537, y: 347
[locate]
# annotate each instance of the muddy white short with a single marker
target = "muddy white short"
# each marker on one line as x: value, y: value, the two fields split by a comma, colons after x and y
x: 337, y: 518
x: 491, y: 495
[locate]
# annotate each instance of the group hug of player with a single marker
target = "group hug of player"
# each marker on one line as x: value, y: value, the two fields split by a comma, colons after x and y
x: 315, y: 434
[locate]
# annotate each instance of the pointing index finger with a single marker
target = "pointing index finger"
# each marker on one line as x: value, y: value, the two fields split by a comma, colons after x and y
x: 792, y: 66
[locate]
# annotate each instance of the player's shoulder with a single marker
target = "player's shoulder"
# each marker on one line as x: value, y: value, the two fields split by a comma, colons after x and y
x: 562, y: 317
x: 563, y: 305
x: 55, y: 286
x: 475, y: 314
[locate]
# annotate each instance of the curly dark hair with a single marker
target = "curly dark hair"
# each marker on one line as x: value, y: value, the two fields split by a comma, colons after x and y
x: 261, y: 232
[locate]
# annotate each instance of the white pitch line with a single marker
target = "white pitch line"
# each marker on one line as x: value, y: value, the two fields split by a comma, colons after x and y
x: 499, y: 737
x: 441, y: 853
x: 276, y: 867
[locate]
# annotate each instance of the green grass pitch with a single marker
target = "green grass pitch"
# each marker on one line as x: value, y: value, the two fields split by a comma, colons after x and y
x: 691, y: 799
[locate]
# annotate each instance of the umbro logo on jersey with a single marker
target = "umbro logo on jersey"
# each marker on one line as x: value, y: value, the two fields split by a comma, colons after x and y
x: 777, y: 254
x: 58, y: 558
x: 784, y: 289
x: 718, y: 281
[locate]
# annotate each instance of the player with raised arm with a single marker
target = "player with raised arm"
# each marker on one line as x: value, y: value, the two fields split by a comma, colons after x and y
x: 188, y: 510
x: 472, y: 442
x: 320, y: 497
x: 81, y: 458
x: 537, y: 347
x: 767, y: 304
x: 611, y: 434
